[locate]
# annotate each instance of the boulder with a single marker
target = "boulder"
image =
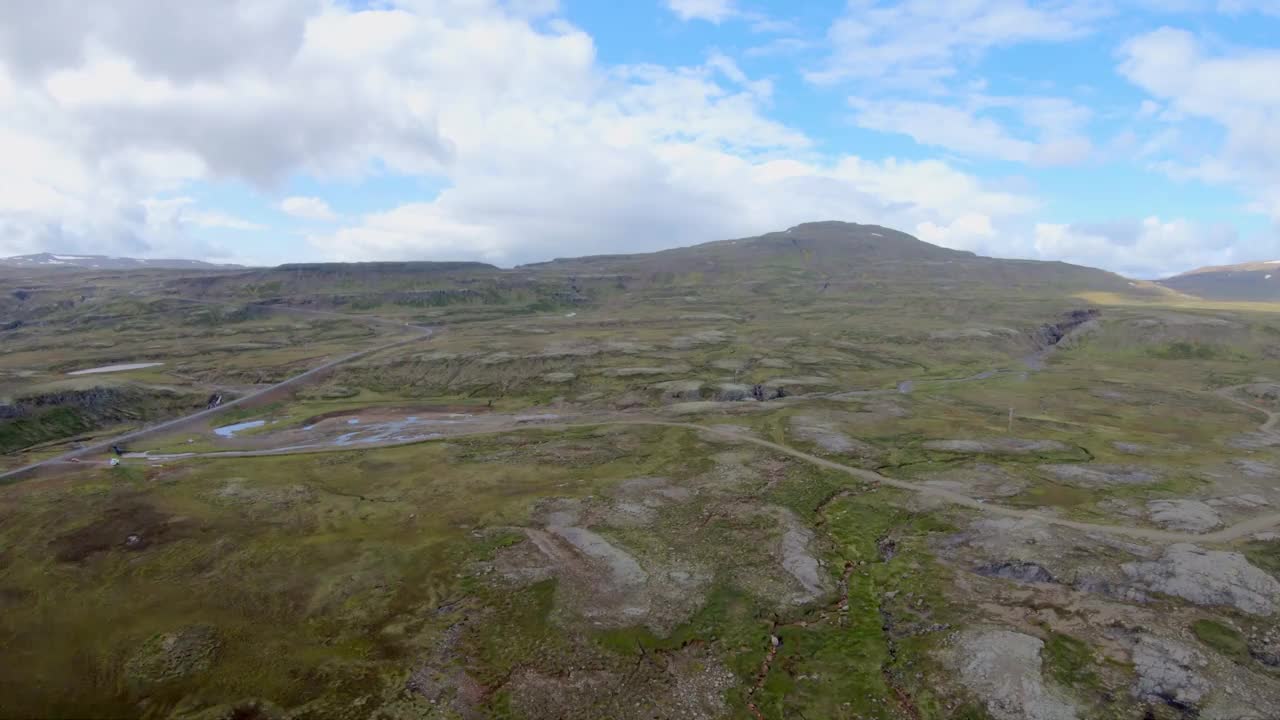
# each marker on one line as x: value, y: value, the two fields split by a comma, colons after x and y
x: 1004, y: 669
x: 1189, y: 515
x: 1208, y: 577
x: 1168, y: 672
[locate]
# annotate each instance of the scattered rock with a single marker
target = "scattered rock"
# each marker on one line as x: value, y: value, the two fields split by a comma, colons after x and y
x: 1268, y: 392
x: 732, y: 392
x: 1265, y: 647
x: 250, y: 709
x: 1004, y: 669
x: 997, y: 446
x: 1099, y: 585
x: 824, y: 434
x: 1253, y: 441
x: 1023, y: 572
x: 1188, y: 515
x: 1255, y: 469
x: 557, y: 378
x: 1119, y: 507
x: 498, y: 358
x: 643, y: 371
x: 1248, y: 501
x: 626, y: 348
x: 802, y: 382
x: 980, y: 480
x: 708, y: 406
x: 685, y: 684
x: 732, y: 365
x: 1168, y: 672
x: 173, y: 655
x: 799, y: 562
x: 972, y: 333
x: 708, y: 316
x: 1101, y: 475
x: 706, y: 337
x: 1208, y: 577
x: 680, y: 389
x: 774, y: 363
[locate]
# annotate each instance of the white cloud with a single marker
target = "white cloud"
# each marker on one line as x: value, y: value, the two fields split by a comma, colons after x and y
x: 1235, y: 89
x: 1054, y: 123
x: 1230, y: 7
x: 308, y: 208
x: 543, y: 150
x: 684, y: 193
x: 1151, y: 248
x: 715, y: 11
x: 922, y: 42
x: 225, y: 221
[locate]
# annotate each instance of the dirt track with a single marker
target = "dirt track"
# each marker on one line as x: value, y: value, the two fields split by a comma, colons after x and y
x: 1235, y: 532
x: 1232, y: 533
x: 1228, y: 394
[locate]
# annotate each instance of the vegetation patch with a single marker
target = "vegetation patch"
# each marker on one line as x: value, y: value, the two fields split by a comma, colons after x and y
x: 1223, y: 638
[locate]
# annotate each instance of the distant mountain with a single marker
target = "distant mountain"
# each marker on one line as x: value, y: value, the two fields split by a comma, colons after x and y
x: 1253, y: 281
x: 847, y: 252
x: 103, y: 262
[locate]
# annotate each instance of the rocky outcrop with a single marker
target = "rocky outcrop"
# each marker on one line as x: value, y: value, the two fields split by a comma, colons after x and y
x: 174, y: 655
x: 997, y: 446
x: 1208, y: 577
x: 1023, y: 572
x: 732, y: 392
x: 1101, y: 475
x: 1004, y: 669
x: 828, y: 437
x: 40, y: 418
x: 1188, y: 515
x: 1046, y: 336
x: 1168, y: 672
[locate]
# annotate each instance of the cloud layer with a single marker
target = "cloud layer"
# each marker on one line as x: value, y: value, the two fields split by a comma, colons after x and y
x: 119, y: 120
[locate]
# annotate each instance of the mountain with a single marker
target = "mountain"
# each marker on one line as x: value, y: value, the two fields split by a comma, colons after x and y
x: 848, y: 252
x: 56, y: 261
x: 1253, y: 281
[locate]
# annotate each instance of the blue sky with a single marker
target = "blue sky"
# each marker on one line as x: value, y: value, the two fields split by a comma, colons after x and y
x: 1134, y: 135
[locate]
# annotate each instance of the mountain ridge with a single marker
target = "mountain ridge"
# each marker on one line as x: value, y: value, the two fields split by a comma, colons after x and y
x: 69, y: 261
x: 1255, y: 281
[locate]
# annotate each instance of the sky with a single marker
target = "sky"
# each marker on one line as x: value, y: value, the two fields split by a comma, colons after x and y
x: 1141, y: 136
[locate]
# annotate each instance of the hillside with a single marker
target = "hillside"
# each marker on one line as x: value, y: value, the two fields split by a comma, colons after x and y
x: 1254, y: 281
x: 56, y: 261
x: 842, y: 252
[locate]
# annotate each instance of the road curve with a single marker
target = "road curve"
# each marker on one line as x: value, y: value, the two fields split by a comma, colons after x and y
x: 1228, y: 394
x: 421, y: 333
x: 733, y: 433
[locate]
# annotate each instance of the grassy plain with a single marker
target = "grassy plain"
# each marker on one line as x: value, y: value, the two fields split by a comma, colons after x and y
x: 629, y: 572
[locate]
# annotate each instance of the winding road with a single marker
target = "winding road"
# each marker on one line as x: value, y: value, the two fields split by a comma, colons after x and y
x: 421, y: 333
x: 1228, y: 394
x: 726, y: 432
x: 734, y: 434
